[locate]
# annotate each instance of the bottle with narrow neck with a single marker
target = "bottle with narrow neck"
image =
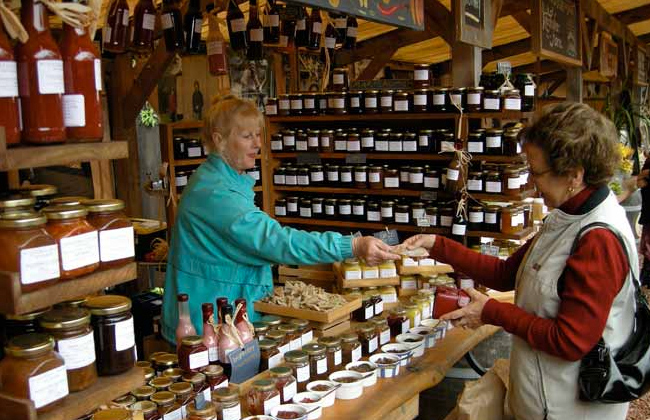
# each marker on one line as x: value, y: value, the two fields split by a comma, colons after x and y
x: 254, y: 34
x: 116, y: 29
x: 209, y: 336
x: 240, y: 322
x: 330, y: 40
x: 9, y: 112
x: 341, y: 26
x: 192, y: 25
x: 185, y: 326
x: 82, y: 70
x: 226, y: 340
x: 144, y: 23
x: 351, y: 33
x: 302, y: 35
x: 315, y: 29
x: 40, y: 78
x: 216, y: 46
x: 172, y: 26
x: 236, y: 26
x: 221, y: 304
x: 272, y: 24
x: 459, y: 228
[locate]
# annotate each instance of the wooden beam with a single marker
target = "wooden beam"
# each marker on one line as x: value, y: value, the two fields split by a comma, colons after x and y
x: 645, y: 38
x: 574, y: 84
x: 506, y: 50
x: 594, y: 10
x: 466, y: 64
x: 523, y: 19
x: 589, y: 40
x: 556, y: 79
x: 510, y: 7
x: 638, y: 14
x: 377, y: 63
x: 545, y: 67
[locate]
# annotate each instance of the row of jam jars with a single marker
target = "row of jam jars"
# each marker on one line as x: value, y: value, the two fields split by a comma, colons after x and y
x: 511, y: 180
x: 494, y: 141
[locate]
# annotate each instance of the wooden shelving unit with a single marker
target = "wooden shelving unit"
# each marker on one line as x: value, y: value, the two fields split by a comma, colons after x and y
x: 362, y: 118
x: 63, y: 154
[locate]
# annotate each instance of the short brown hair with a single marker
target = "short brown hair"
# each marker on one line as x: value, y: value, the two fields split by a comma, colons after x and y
x: 222, y: 118
x: 573, y: 136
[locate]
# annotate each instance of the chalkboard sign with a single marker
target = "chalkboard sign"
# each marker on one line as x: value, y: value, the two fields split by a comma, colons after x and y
x: 556, y: 30
x: 642, y: 67
x: 473, y: 20
x: 404, y: 13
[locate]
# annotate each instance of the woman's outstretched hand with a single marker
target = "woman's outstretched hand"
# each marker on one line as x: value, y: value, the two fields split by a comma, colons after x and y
x: 372, y: 250
x: 421, y: 240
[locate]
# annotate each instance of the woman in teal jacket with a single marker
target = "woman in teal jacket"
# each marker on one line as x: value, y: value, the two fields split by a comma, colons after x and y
x: 222, y: 244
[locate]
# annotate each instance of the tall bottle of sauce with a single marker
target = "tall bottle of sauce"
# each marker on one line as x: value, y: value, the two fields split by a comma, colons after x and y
x: 227, y: 341
x: 254, y: 33
x: 241, y: 322
x: 236, y: 26
x: 9, y: 112
x: 315, y: 28
x: 192, y: 26
x: 116, y: 28
x: 144, y: 24
x: 172, y: 25
x: 302, y: 36
x: 185, y: 326
x: 351, y: 33
x: 272, y: 24
x: 330, y: 40
x: 216, y: 45
x: 341, y: 26
x: 40, y: 78
x: 82, y: 70
x: 221, y: 304
x: 209, y: 336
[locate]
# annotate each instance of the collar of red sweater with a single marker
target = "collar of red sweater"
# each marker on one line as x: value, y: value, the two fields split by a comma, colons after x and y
x: 585, y: 201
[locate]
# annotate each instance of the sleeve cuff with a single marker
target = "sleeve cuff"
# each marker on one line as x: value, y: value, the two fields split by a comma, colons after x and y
x: 490, y: 314
x: 345, y: 245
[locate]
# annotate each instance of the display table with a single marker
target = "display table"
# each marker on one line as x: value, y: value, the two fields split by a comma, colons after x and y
x: 397, y: 398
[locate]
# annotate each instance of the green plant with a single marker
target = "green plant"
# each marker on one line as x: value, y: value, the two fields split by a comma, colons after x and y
x: 148, y: 116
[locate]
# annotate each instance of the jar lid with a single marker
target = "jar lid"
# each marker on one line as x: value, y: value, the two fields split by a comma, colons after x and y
x: 301, y: 323
x: 287, y: 328
x: 371, y: 92
x: 192, y: 340
x: 193, y: 378
x: 29, y: 345
x: 388, y: 92
x: 409, y: 305
x: 349, y: 337
x: 161, y: 382
x: 330, y: 341
x: 145, y: 391
x: 148, y: 373
x: 494, y: 131
x: 108, y: 304
x: 476, y: 88
x: 296, y: 356
x: 280, y: 371
x: 398, y: 311
x: 97, y: 206
x: 181, y: 388
x: 494, y: 173
x: 267, y: 344
x: 68, y: 201
x: 39, y: 190
x: 314, y: 349
x: 387, y: 202
x: 153, y: 356
x: 458, y: 89
x: 213, y: 370
x: 225, y: 394
x: 63, y: 212
x: 493, y: 208
x: 402, y: 94
x: 275, y: 335
x: 113, y: 414
x: 147, y: 407
x: 439, y: 89
x: 260, y: 326
x: 163, y: 398
x: 209, y: 410
x: 511, y: 171
x: 366, y: 328
x: 12, y: 201
x: 264, y: 385
x: 166, y: 359
x: 475, y: 208
x: 65, y: 318
x: 22, y: 219
x: 493, y: 92
x: 173, y: 373
x: 378, y: 322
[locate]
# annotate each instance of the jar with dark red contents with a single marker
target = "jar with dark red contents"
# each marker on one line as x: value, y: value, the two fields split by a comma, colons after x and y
x: 292, y: 206
x: 288, y: 141
x: 326, y: 140
x: 475, y: 182
x: 301, y: 141
x: 291, y: 176
x: 416, y: 178
x: 492, y: 101
x: 396, y: 321
x: 317, y: 207
x: 524, y: 82
x: 492, y: 219
x: 476, y: 143
x: 330, y: 208
x: 261, y: 397
x: 511, y: 146
x: 192, y: 354
x: 391, y: 178
x: 355, y: 97
x: 285, y: 383
x: 401, y: 102
x: 476, y: 216
x: 371, y: 102
x: 284, y: 105
x: 457, y: 99
x: 386, y: 101
x: 332, y: 175
x: 333, y: 352
x: 373, y: 212
x: 116, y: 237
x: 432, y: 215
x: 340, y: 141
x: 359, y: 209
x: 410, y: 142
x: 270, y: 356
x: 474, y: 98
x: 382, y: 140
x: 395, y: 142
x: 346, y: 176
x: 317, y: 361
x: 340, y: 79
x: 367, y: 140
x: 368, y: 339
x: 425, y: 141
x: 431, y: 180
x: 366, y: 311
x: 494, y: 141
x: 421, y: 76
x: 353, y: 142
x: 305, y: 208
x: 494, y: 182
x: 271, y: 107
x: 303, y: 177
x: 298, y: 361
x: 439, y: 100
x: 336, y: 103
x: 316, y: 175
x: 277, y: 142
x: 421, y: 100
x: 295, y: 104
x: 446, y: 217
x: 375, y: 177
x: 351, y: 347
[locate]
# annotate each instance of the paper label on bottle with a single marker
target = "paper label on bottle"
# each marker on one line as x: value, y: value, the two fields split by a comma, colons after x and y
x: 446, y: 221
x: 490, y: 104
x: 289, y: 141
x: 338, y: 103
x: 352, y: 31
x: 124, y: 335
x: 418, y: 213
x: 280, y: 211
x: 493, y: 141
x: 199, y: 359
x: 48, y: 387
x: 330, y: 43
x: 513, y: 104
x: 345, y: 209
x: 329, y: 210
x: 232, y: 413
x: 529, y: 90
x: 452, y: 174
x: 474, y: 185
x: 438, y: 99
x: 346, y: 177
x: 149, y: 21
x: 174, y: 415
x: 433, y: 219
x: 194, y: 152
x: 74, y: 111
x: 458, y: 230
x: 491, y: 218
x: 379, y: 307
x: 373, y: 216
x: 116, y: 244
x: 238, y: 25
x: 317, y: 209
x: 98, y: 74
x: 213, y: 354
x: 372, y: 345
x: 475, y: 147
x: 301, y: 25
x: 317, y: 28
x: 417, y: 178
x: 374, y: 177
x: 456, y: 99
x: 354, y: 146
x: 305, y: 211
x: 207, y: 394
x: 257, y: 35
x: 421, y: 75
x: 369, y: 312
x: 275, y: 360
x: 473, y: 99
x: 381, y: 146
x: 50, y: 76
x: 295, y: 344
x: 276, y: 144
x: 167, y: 21
x: 355, y: 102
x: 77, y: 352
x: 284, y: 349
x: 513, y: 183
x: 317, y: 176
x: 302, y: 373
x: 401, y: 105
x: 312, y: 141
x: 307, y: 337
x: 406, y: 326
x: 476, y: 217
x: 79, y: 251
x: 273, y: 20
x: 401, y: 217
x: 321, y: 366
x: 370, y: 103
x: 394, y: 146
x: 301, y: 146
x: 292, y: 207
x: 431, y: 182
x: 39, y: 264
x: 384, y: 337
x: 254, y: 174
x: 492, y: 187
x: 270, y: 404
x: 386, y: 101
x: 8, y: 79
x: 420, y: 99
x: 125, y: 17
x: 106, y: 35
x: 215, y: 48
x: 289, y: 391
x: 197, y: 25
x: 386, y: 212
x: 356, y: 354
x: 410, y: 146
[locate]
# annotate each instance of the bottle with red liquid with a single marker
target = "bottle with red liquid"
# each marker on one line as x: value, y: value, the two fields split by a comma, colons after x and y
x: 315, y: 29
x: 116, y: 29
x: 216, y: 46
x: 272, y: 24
x: 351, y: 33
x: 82, y: 71
x: 172, y: 26
x: 209, y: 336
x: 9, y: 112
x: 254, y: 34
x: 144, y: 23
x: 185, y: 326
x: 245, y: 332
x: 40, y: 78
x: 236, y: 27
x: 192, y: 22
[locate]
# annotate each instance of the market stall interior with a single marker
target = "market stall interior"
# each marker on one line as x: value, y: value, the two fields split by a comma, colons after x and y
x: 380, y: 118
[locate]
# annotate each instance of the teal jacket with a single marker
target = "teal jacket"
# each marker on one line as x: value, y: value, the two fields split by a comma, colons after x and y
x: 223, y: 245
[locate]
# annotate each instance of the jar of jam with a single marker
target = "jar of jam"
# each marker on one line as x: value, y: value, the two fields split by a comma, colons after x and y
x: 391, y: 178
x: 511, y: 100
x: 305, y: 331
x: 301, y: 141
x: 368, y: 339
x: 402, y: 214
x: 174, y: 374
x: 421, y: 100
x: 375, y: 177
x: 149, y: 409
x: 524, y: 178
x: 330, y: 208
x: 511, y: 146
x: 387, y: 211
x: 295, y: 104
x: 346, y: 176
x: 361, y: 176
x: 345, y: 208
x: 401, y: 102
x: 215, y: 377
x: 351, y: 347
x: 298, y: 361
x: 431, y: 180
x: 291, y: 176
x: 116, y: 236
x: 425, y: 141
x: 524, y: 82
x: 336, y: 103
x: 333, y: 352
x: 192, y: 354
x: 309, y: 101
x: 208, y: 411
x: 511, y: 181
x: 42, y: 193
x: 292, y: 206
x: 416, y: 177
x: 457, y: 99
x: 305, y: 208
x: 313, y: 140
x: 182, y: 392
x: 143, y: 393
x: 292, y: 335
x: 340, y: 79
x: 474, y: 99
x: 262, y: 397
x: 114, y: 337
x: 279, y: 177
x: 371, y: 102
x: 317, y: 207
x: 378, y: 303
x: 284, y: 382
x: 494, y: 182
x: 284, y: 105
x: 326, y: 140
x: 493, y: 142
x: 476, y: 217
x: 475, y: 181
x: 382, y: 140
x: 508, y: 220
x: 395, y: 142
x: 70, y: 328
x: 446, y: 217
x: 288, y: 141
x: 277, y: 140
x: 359, y: 209
x: 382, y: 330
x: 332, y: 175
x: 164, y: 362
x: 226, y: 401
x: 367, y: 141
x: 432, y: 215
x: 410, y: 142
x: 492, y: 219
x: 280, y: 208
x: 316, y: 175
x: 340, y: 141
x: 447, y: 143
x: 373, y: 212
x: 492, y: 101
x: 366, y: 311
x: 421, y: 76
x: 269, y: 354
x: 417, y: 211
x: 321, y: 102
x: 439, y: 100
x: 317, y: 361
x: 413, y: 314
x: 13, y: 203
x: 77, y: 240
x: 32, y: 370
x: 355, y: 98
x: 476, y: 143
x: 303, y: 177
x: 271, y: 107
x: 353, y: 142
x: 398, y: 322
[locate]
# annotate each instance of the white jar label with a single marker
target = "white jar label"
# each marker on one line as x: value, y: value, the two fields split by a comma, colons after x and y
x: 239, y: 25
x: 50, y: 77
x: 529, y: 90
x: 374, y: 177
x: 285, y: 104
x: 418, y: 213
x: 149, y: 21
x: 337, y: 357
x: 493, y: 141
x: 333, y: 176
x: 289, y: 390
x: 417, y: 178
x: 438, y: 99
x: 301, y: 145
x: 452, y: 174
x: 356, y: 354
x: 8, y: 79
x: 79, y: 251
x: 418, y: 319
x: 296, y: 104
x: 330, y: 42
x: 475, y: 146
x: 473, y: 99
x: 379, y: 307
x: 199, y: 359
x: 368, y: 141
x: 420, y: 99
x: 254, y: 174
x: 310, y: 103
x: 77, y: 352
x: 116, y: 244
x: 514, y: 221
x: 372, y: 345
x: 39, y: 264
x: 394, y: 146
x: 270, y: 404
x: 291, y: 180
x: 352, y: 32
x: 373, y: 216
x: 340, y: 145
x: 338, y: 79
x: 275, y: 360
x: 474, y: 185
x: 401, y: 217
x: 345, y: 209
x: 338, y: 103
x: 215, y: 47
x: 232, y: 413
x: 491, y: 218
x: 48, y: 387
x: 325, y: 142
x: 166, y: 21
x: 197, y: 25
x: 124, y: 335
x: 194, y: 152
x: 421, y: 75
x: 346, y: 177
x: 284, y: 349
x: 446, y: 220
x: 292, y: 207
x: 401, y: 105
x: 410, y: 146
x: 329, y: 210
x: 321, y: 366
x: 381, y: 146
x: 295, y: 344
x: 386, y: 212
x: 387, y: 101
x: 272, y: 20
x: 355, y: 102
x: 456, y: 99
x: 433, y: 219
x: 354, y: 146
x: 391, y: 182
x: 317, y: 176
x: 476, y: 217
x: 302, y: 373
x: 257, y: 35
x: 492, y: 187
x: 307, y: 337
x: 213, y: 353
x: 312, y: 141
x: 385, y: 273
x: 305, y: 212
x: 406, y: 326
x: 513, y: 104
x: 513, y: 183
x: 276, y: 144
x: 384, y: 337
x: 490, y: 104
x: 423, y: 141
x: 431, y: 182
x: 370, y: 312
x: 370, y: 102
x: 357, y: 210
x: 360, y: 176
x: 289, y: 140
x: 280, y: 211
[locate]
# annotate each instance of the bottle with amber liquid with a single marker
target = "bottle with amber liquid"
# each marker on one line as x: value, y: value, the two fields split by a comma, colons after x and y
x: 40, y: 78
x: 144, y: 23
x: 315, y: 29
x: 351, y: 33
x: 236, y: 26
x: 272, y: 24
x: 192, y: 22
x: 82, y: 71
x: 216, y: 46
x: 254, y: 34
x: 209, y: 336
x: 9, y: 112
x: 172, y: 25
x: 116, y: 28
x: 302, y: 35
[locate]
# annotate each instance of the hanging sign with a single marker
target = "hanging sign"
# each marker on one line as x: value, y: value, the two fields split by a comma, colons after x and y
x: 608, y: 58
x: 403, y: 13
x: 473, y: 21
x: 556, y: 30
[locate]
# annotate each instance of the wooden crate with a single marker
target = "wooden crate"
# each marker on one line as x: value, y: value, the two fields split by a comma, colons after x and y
x: 309, y: 314
x: 319, y: 272
x: 332, y: 329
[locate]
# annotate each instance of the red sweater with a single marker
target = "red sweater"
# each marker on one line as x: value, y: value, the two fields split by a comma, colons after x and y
x: 593, y: 276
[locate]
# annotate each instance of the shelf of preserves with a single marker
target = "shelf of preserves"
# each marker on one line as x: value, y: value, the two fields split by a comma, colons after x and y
x: 362, y: 191
x: 63, y: 154
x: 362, y: 118
x: 501, y: 197
x: 500, y: 115
x: 519, y: 236
x: 13, y: 301
x: 426, y: 156
x: 361, y: 225
x: 342, y: 283
x: 77, y: 404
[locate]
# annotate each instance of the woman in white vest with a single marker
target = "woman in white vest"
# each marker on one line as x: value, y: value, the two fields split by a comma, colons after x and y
x: 564, y: 301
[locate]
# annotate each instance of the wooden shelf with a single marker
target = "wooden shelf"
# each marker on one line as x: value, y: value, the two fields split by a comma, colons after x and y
x: 502, y: 197
x: 188, y: 162
x: 393, y: 116
x: 258, y: 188
x: 75, y: 405
x: 519, y: 236
x: 361, y: 191
x: 63, y: 154
x: 501, y: 115
x: 360, y: 225
x: 13, y: 301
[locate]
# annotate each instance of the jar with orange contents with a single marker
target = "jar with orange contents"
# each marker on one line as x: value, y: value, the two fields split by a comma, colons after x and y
x: 29, y: 250
x: 77, y: 240
x: 116, y: 239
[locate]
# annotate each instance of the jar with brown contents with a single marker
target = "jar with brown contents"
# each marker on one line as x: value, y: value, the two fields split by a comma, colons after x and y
x: 492, y: 219
x: 386, y: 101
x: 226, y: 401
x: 313, y: 140
x: 493, y: 142
x: 420, y: 76
x: 368, y: 339
x: 476, y: 217
x: 371, y: 102
x: 493, y: 182
x: 207, y: 412
x: 351, y: 347
x: 333, y: 352
x: 326, y: 140
x: 475, y: 99
x: 284, y: 105
x: 421, y: 100
x: 439, y: 99
x: 317, y: 361
x: 167, y: 405
x: 336, y: 103
x: 116, y: 237
x: 401, y: 102
x: 375, y: 177
x: 355, y: 97
x: 262, y: 397
x: 298, y: 361
x: 367, y: 141
x: 285, y: 383
x: 382, y: 140
x: 511, y: 181
x: 491, y: 101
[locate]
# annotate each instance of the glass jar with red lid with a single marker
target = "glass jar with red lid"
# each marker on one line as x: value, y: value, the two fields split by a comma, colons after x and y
x: 116, y: 28
x: 116, y: 237
x: 9, y: 112
x: 144, y: 23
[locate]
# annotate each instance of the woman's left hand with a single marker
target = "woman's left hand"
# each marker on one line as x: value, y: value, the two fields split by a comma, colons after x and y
x: 470, y: 315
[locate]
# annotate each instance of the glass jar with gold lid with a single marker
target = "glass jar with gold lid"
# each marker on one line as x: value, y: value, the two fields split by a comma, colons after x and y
x: 43, y: 193
x: 161, y: 383
x: 149, y: 409
x: 116, y: 237
x: 11, y: 203
x: 207, y: 412
x: 143, y: 393
x: 226, y: 401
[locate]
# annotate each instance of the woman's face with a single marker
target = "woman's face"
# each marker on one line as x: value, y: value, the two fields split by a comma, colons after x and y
x: 553, y: 188
x: 243, y: 145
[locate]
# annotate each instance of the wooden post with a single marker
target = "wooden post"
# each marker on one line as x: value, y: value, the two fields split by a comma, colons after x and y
x: 574, y: 84
x: 466, y: 64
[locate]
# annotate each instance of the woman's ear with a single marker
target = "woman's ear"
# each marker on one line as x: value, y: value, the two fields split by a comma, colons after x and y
x: 576, y: 177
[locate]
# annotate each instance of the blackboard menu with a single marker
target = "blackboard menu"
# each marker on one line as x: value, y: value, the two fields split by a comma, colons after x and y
x: 557, y: 33
x: 404, y: 13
